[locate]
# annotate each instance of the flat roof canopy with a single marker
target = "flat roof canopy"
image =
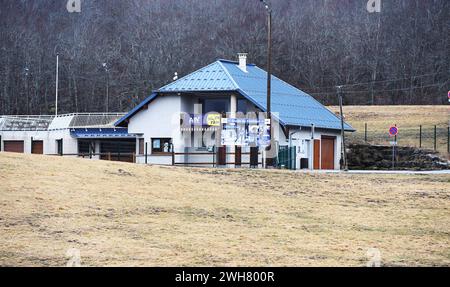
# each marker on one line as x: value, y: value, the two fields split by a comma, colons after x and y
x: 100, y: 133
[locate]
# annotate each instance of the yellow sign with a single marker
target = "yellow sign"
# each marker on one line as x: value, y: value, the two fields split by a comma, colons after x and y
x: 213, y: 120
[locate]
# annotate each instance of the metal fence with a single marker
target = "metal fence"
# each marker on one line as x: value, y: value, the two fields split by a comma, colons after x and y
x: 433, y: 137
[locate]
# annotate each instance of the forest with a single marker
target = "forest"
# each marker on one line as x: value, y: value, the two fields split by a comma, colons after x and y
x: 114, y: 53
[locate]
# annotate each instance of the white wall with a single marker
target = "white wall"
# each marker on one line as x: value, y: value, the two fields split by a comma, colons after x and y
x: 160, y: 120
x: 70, y: 145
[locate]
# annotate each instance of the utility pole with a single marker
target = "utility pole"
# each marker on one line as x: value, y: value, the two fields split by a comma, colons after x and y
x: 56, y: 93
x: 269, y: 161
x: 343, y: 149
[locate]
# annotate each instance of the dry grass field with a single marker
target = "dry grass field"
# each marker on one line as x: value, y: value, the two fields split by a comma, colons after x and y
x: 408, y: 120
x: 120, y: 214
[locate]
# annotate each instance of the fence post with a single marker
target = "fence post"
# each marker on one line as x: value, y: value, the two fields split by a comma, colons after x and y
x: 365, y: 132
x: 435, y: 136
x: 420, y: 136
x: 214, y: 156
x: 146, y: 149
x: 134, y: 157
x: 448, y: 139
x: 173, y: 155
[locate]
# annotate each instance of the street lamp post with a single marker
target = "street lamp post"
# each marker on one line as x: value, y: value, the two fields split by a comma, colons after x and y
x: 105, y: 66
x: 269, y: 72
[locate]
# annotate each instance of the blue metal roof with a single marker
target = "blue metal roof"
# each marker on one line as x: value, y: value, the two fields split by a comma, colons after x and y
x: 295, y: 107
x: 101, y: 133
x: 210, y: 78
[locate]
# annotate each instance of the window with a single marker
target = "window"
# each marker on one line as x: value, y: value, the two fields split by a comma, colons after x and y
x: 242, y: 106
x: 161, y: 145
x: 216, y: 105
x: 141, y: 146
x: 83, y: 147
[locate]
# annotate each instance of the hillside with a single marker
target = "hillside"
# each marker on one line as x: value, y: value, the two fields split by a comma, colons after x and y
x: 123, y: 214
x: 407, y: 118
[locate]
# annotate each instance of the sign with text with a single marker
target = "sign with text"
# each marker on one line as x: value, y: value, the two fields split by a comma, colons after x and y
x: 245, y: 132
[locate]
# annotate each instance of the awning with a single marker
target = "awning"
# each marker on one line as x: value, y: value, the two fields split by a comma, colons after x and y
x: 93, y: 133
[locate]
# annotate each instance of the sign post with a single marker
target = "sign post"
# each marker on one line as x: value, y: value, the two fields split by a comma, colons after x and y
x: 393, y: 132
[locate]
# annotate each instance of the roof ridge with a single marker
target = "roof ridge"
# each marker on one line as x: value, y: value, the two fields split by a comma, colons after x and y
x: 236, y: 86
x: 182, y: 78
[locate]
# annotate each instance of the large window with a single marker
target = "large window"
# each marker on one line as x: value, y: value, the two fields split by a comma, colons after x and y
x: 161, y: 145
x: 216, y: 105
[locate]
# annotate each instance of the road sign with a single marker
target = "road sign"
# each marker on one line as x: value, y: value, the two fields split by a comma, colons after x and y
x: 393, y: 131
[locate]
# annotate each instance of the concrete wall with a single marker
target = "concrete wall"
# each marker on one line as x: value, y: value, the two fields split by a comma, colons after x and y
x: 70, y: 145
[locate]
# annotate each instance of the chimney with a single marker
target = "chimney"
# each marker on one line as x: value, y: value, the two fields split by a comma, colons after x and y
x: 243, y: 61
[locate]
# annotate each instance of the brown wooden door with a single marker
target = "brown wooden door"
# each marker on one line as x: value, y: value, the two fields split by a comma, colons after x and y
x: 327, y: 152
x: 316, y: 154
x: 13, y: 146
x: 238, y: 156
x: 222, y: 155
x: 37, y: 147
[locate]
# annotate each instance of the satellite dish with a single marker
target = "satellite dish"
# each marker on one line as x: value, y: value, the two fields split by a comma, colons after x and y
x: 175, y: 76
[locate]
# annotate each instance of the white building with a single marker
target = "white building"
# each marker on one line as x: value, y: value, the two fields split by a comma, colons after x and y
x: 232, y: 89
x: 211, y: 117
x: 82, y: 135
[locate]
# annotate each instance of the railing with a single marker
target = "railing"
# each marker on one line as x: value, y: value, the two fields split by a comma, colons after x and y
x: 118, y: 156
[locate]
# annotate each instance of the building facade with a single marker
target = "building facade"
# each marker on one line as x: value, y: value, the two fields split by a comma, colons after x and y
x: 232, y: 90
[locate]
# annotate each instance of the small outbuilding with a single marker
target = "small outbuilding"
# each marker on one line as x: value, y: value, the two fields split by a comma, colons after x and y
x: 86, y: 135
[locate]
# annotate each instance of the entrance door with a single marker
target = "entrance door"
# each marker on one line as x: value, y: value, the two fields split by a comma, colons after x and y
x: 238, y: 156
x: 327, y: 152
x: 222, y: 155
x: 13, y: 146
x: 37, y: 147
x: 316, y: 154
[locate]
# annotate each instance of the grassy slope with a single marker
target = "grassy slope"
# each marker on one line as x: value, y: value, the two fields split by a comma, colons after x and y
x: 124, y: 214
x: 407, y: 118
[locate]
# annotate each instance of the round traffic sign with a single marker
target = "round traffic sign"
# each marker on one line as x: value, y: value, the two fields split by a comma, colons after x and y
x: 393, y: 131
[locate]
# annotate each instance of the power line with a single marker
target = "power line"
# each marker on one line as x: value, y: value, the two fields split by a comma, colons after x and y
x: 381, y: 81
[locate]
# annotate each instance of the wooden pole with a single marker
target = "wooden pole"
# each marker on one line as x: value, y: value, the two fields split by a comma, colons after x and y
x: 343, y: 149
x: 269, y: 81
